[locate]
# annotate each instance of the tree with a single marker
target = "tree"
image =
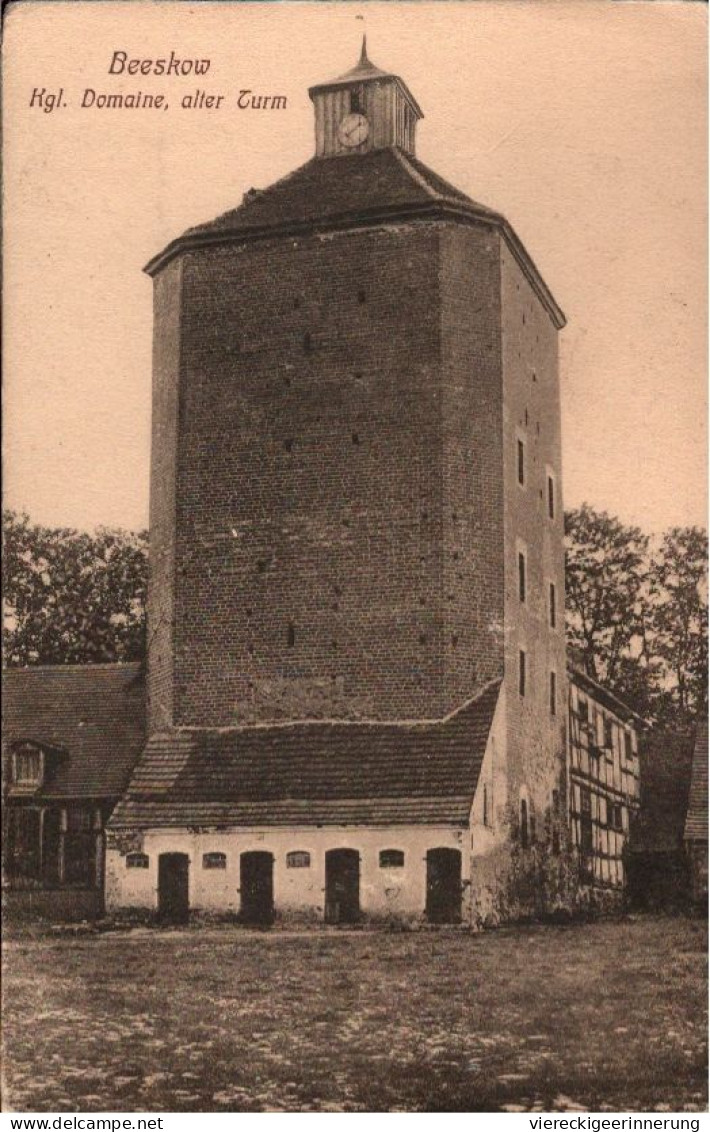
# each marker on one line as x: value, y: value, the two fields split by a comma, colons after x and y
x: 606, y: 582
x: 71, y: 597
x: 678, y: 622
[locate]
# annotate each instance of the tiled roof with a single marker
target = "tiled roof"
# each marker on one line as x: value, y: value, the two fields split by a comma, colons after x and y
x: 601, y: 694
x: 696, y: 823
x: 384, y: 185
x: 346, y: 185
x: 93, y: 715
x: 314, y: 772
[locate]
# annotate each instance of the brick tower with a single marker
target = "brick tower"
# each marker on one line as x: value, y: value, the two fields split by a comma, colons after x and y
x: 355, y: 502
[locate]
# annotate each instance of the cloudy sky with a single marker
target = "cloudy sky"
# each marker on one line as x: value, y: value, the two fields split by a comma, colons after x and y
x: 583, y: 122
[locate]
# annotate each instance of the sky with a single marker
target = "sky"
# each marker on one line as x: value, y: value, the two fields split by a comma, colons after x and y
x: 584, y: 122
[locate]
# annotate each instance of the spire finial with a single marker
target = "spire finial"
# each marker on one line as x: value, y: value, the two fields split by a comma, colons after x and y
x: 363, y: 53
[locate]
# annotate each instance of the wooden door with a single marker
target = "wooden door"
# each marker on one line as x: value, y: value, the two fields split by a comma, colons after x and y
x: 443, y: 886
x: 256, y: 883
x: 342, y: 886
x: 173, y: 887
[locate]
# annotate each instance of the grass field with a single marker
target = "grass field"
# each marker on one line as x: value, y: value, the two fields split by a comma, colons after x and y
x: 605, y: 1016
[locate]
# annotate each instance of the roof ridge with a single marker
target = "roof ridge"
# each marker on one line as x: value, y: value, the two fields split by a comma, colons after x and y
x: 406, y: 164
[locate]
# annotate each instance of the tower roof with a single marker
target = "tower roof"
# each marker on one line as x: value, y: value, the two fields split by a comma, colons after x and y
x: 365, y: 71
x: 331, y: 193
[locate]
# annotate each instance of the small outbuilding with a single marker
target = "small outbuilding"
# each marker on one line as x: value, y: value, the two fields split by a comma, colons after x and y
x: 71, y: 736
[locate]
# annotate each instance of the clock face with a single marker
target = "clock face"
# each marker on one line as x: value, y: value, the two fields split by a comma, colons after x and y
x: 353, y: 130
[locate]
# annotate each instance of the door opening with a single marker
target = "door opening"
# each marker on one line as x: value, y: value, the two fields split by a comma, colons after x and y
x: 342, y: 886
x: 173, y: 887
x: 256, y: 882
x: 443, y: 886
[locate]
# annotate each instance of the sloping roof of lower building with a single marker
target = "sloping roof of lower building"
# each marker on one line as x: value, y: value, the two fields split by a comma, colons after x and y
x: 91, y: 716
x: 313, y: 773
x: 696, y: 822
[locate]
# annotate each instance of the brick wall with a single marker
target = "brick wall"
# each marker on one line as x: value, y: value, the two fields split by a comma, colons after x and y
x: 310, y: 483
x: 167, y: 298
x: 344, y: 487
x: 472, y: 421
x: 536, y: 739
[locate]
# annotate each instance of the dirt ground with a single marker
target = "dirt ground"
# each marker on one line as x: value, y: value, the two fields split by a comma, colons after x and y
x: 603, y: 1016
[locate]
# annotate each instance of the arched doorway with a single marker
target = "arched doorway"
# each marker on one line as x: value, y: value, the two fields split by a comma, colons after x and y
x: 173, y: 887
x: 256, y: 885
x: 443, y: 886
x: 342, y: 886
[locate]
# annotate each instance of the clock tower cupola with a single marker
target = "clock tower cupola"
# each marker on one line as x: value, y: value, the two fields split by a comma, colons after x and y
x: 362, y: 110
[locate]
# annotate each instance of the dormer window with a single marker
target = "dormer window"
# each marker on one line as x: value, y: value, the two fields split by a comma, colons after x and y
x: 28, y: 766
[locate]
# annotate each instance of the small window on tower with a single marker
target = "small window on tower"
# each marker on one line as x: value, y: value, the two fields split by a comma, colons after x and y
x: 522, y: 671
x: 553, y: 693
x: 291, y: 635
x: 628, y: 745
x: 551, y: 497
x: 522, y: 575
x: 524, y: 831
x: 521, y: 462
x: 355, y: 102
x: 553, y: 606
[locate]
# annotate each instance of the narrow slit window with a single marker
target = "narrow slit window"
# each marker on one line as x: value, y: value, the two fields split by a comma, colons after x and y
x: 522, y: 671
x: 553, y: 605
x: 551, y: 497
x: 553, y: 693
x: 291, y: 635
x: 524, y: 831
x: 522, y: 576
x: 521, y: 462
x: 307, y: 342
x: 628, y: 746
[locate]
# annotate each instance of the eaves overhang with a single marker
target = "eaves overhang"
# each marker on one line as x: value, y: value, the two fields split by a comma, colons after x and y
x: 366, y: 218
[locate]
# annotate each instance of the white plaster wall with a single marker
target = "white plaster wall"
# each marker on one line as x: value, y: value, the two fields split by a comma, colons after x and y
x: 383, y: 892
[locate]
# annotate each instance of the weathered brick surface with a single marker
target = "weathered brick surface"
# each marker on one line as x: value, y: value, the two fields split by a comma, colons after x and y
x: 343, y: 483
x: 536, y: 739
x: 167, y: 303
x: 472, y: 436
x: 310, y: 481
